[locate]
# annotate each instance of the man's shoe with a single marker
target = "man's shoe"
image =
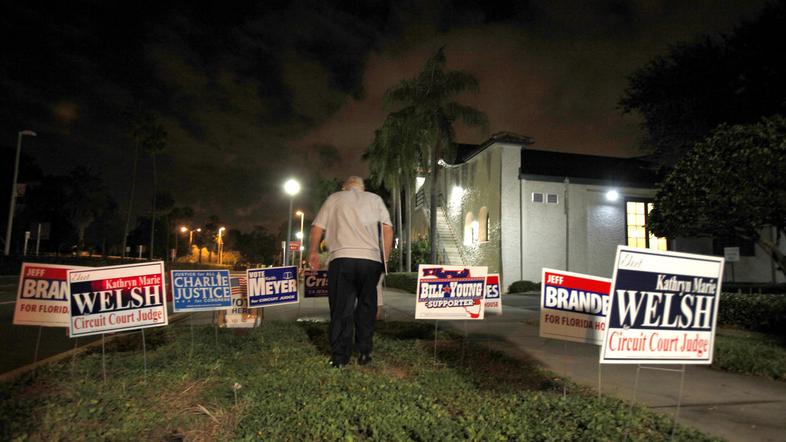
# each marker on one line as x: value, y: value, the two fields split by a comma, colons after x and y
x: 364, y: 359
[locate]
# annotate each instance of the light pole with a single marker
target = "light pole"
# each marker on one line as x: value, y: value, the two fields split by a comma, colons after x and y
x: 220, y: 245
x: 300, y: 249
x: 183, y: 229
x: 10, y: 224
x: 291, y: 188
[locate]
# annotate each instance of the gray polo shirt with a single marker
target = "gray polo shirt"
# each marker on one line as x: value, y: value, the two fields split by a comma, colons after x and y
x: 350, y: 219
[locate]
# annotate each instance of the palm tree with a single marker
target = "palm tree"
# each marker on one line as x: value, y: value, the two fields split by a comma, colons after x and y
x: 148, y: 135
x: 428, y: 101
x: 394, y: 157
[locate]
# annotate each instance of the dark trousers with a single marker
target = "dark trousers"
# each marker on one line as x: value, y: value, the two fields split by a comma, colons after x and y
x: 352, y: 293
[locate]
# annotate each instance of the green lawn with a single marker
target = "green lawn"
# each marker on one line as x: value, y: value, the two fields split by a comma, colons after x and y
x: 747, y: 352
x: 287, y: 392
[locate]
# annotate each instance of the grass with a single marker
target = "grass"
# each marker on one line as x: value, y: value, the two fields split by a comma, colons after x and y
x: 287, y: 392
x: 752, y: 353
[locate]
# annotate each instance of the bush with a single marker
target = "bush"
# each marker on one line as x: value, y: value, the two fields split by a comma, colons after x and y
x: 763, y: 313
x: 524, y: 286
x: 402, y: 281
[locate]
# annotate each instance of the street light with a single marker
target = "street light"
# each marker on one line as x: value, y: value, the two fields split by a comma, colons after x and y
x: 291, y: 188
x: 300, y: 237
x: 183, y: 229
x: 220, y: 245
x: 10, y: 224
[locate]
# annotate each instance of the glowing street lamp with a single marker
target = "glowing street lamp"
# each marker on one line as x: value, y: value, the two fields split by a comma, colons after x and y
x: 220, y: 245
x: 300, y: 237
x: 22, y: 133
x: 291, y: 188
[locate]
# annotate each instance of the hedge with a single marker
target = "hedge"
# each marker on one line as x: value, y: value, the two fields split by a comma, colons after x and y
x: 524, y: 286
x: 763, y: 313
x: 407, y: 281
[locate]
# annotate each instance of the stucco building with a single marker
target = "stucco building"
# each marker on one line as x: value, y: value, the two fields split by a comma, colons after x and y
x: 516, y: 210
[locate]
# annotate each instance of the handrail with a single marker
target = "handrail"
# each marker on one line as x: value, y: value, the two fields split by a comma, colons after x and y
x: 459, y: 247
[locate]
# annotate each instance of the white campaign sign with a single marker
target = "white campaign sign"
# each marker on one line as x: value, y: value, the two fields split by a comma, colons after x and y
x: 573, y: 306
x: 117, y: 298
x: 450, y: 292
x: 664, y: 306
x: 42, y: 296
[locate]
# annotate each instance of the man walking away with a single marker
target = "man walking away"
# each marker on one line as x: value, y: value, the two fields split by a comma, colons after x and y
x: 349, y: 220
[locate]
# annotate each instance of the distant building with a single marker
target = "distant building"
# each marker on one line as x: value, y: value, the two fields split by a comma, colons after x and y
x: 517, y: 210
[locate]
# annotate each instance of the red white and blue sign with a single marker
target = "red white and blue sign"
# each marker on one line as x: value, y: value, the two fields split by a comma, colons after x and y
x: 195, y: 290
x: 315, y: 283
x: 42, y: 295
x: 272, y: 286
x: 573, y: 306
x: 664, y: 307
x: 450, y: 292
x: 117, y: 298
x: 493, y: 301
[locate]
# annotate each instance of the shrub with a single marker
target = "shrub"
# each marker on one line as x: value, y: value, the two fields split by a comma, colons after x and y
x: 524, y: 286
x: 403, y: 281
x: 764, y: 313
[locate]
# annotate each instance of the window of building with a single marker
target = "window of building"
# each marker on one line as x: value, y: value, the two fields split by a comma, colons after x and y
x: 537, y: 197
x: 552, y: 198
x: 483, y: 229
x: 636, y: 225
x: 469, y: 234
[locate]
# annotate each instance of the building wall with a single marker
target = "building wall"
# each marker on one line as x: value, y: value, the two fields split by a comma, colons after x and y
x: 468, y: 188
x: 758, y: 268
x: 587, y: 243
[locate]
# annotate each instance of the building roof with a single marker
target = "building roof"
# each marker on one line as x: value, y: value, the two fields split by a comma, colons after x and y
x: 592, y: 169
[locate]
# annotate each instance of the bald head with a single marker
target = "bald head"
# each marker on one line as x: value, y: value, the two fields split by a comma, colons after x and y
x: 353, y: 182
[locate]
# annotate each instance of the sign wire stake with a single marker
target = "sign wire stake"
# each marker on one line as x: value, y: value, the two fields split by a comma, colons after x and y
x: 464, y: 343
x: 144, y: 355
x: 679, y: 402
x: 215, y: 328
x: 436, y: 328
x: 103, y: 355
x: 191, y: 323
x: 37, y: 344
x: 630, y: 409
x: 600, y: 373
x: 73, y: 355
x: 565, y: 369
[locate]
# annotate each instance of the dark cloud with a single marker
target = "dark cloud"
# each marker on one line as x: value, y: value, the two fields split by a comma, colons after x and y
x: 253, y: 92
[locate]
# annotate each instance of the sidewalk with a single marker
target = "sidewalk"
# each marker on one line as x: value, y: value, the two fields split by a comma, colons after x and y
x: 731, y: 406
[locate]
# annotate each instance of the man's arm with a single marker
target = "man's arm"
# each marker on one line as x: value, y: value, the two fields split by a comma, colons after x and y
x: 315, y: 238
x: 387, y: 236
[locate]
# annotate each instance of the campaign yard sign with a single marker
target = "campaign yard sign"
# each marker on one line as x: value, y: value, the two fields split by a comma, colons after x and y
x: 117, y: 298
x: 315, y: 283
x: 272, y: 286
x: 42, y: 295
x: 573, y: 306
x: 664, y: 306
x: 195, y: 290
x: 450, y: 292
x: 493, y: 300
x: 239, y: 316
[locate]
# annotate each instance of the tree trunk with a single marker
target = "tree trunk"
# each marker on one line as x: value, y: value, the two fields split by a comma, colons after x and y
x: 153, y: 210
x: 433, y: 206
x: 400, y: 229
x: 130, y: 202
x: 408, y: 230
x: 774, y: 253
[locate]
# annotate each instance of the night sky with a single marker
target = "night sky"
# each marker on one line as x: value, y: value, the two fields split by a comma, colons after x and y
x: 251, y: 92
